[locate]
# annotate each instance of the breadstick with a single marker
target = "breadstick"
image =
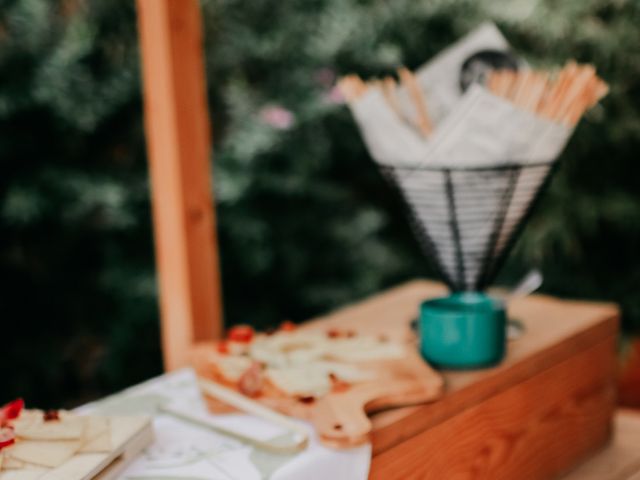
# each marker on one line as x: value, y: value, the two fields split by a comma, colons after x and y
x: 352, y: 87
x: 564, y: 81
x: 409, y: 81
x: 591, y: 94
x: 510, y: 80
x: 521, y: 90
x: 494, y: 83
x: 575, y: 90
x: 549, y: 97
x: 545, y: 98
x: 389, y: 87
x: 536, y: 91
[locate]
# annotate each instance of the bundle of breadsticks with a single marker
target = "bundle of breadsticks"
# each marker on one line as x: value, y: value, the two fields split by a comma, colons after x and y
x: 470, y: 140
x: 562, y: 96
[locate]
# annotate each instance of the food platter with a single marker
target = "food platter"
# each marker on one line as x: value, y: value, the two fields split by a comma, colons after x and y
x: 331, y: 377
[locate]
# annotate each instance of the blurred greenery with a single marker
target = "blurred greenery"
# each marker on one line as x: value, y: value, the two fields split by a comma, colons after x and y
x: 306, y: 223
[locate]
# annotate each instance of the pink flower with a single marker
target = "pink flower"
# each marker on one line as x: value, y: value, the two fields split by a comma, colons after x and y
x: 334, y: 96
x: 277, y: 117
x: 324, y: 76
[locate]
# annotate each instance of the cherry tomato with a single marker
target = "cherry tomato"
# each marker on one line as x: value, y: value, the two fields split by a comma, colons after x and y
x: 11, y: 410
x: 223, y: 347
x: 241, y: 334
x: 288, y: 326
x: 7, y: 437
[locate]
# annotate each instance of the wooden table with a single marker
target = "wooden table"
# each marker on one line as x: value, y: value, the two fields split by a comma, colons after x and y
x: 621, y: 459
x: 545, y: 409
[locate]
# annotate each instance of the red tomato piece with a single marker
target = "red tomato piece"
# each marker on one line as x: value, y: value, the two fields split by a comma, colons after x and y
x: 288, y: 326
x: 334, y: 333
x: 252, y: 380
x: 240, y: 334
x: 7, y: 437
x: 223, y: 347
x: 11, y: 410
x: 307, y: 399
x: 51, y: 415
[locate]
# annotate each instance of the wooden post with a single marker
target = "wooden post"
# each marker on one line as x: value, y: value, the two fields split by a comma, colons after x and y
x: 179, y: 146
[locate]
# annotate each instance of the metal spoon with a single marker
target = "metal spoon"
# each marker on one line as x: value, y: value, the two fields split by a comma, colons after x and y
x: 529, y: 284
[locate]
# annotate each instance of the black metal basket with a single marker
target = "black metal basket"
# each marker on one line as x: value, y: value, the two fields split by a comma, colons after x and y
x: 467, y: 219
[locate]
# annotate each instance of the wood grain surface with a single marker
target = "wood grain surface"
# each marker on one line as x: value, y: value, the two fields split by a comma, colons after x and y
x: 544, y: 409
x: 340, y: 417
x: 555, y: 330
x: 178, y: 136
x: 621, y: 459
x: 536, y: 429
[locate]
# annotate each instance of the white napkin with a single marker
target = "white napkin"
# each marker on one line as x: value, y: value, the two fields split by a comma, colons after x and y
x: 185, y: 451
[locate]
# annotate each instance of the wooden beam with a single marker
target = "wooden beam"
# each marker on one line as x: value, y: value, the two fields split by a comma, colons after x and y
x: 179, y: 147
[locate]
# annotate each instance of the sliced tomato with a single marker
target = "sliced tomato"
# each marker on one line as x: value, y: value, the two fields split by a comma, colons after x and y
x: 334, y: 333
x: 51, y: 415
x: 11, y: 410
x: 288, y: 326
x: 306, y: 399
x: 240, y: 334
x: 223, y: 347
x: 7, y: 437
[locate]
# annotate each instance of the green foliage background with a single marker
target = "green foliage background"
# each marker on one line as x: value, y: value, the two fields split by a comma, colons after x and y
x: 306, y: 223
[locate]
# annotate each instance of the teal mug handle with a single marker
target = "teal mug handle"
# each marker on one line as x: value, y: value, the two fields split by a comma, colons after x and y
x: 463, y: 330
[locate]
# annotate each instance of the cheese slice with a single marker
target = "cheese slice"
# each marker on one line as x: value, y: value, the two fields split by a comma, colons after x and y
x: 363, y: 349
x: 232, y: 367
x: 44, y: 453
x: 9, y: 463
x: 97, y: 435
x: 304, y: 380
x: 288, y: 348
x: 68, y: 427
x: 31, y: 474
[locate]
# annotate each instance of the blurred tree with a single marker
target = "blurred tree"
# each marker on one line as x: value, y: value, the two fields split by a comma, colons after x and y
x: 306, y: 223
x: 77, y: 284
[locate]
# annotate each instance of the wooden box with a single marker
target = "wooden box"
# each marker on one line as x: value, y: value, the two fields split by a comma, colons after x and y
x: 546, y: 408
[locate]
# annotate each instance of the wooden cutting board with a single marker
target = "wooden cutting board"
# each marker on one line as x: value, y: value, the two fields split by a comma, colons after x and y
x: 129, y: 436
x: 340, y: 417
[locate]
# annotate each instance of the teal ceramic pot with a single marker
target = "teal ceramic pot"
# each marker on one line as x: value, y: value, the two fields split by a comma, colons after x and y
x: 463, y: 330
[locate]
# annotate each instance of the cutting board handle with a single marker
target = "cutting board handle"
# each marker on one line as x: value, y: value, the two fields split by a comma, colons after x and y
x: 341, y: 417
x: 341, y: 421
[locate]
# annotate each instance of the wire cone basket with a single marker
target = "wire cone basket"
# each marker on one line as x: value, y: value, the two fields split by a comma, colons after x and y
x: 468, y: 218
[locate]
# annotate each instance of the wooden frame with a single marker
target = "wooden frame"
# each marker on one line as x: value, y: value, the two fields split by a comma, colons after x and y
x: 179, y: 147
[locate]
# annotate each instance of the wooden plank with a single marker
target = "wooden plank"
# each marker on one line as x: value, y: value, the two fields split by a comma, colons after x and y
x: 536, y: 429
x: 555, y: 330
x: 179, y: 147
x: 621, y: 459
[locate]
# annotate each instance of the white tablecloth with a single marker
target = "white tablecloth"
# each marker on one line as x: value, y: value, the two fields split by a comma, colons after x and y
x: 183, y: 451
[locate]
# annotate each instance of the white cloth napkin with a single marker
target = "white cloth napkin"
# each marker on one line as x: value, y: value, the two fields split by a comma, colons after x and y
x: 183, y: 451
